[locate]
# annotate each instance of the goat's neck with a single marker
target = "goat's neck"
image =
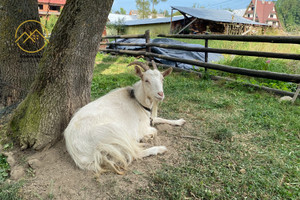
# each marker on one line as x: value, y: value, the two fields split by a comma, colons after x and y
x: 140, y: 95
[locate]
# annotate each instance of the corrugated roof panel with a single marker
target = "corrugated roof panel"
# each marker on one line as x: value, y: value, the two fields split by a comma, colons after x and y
x: 215, y: 15
x: 152, y: 21
x: 112, y: 17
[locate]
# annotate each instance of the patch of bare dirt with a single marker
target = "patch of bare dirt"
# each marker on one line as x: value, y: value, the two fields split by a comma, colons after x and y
x: 53, y: 174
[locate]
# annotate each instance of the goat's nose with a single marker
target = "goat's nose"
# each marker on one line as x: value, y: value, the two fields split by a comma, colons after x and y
x: 161, y: 94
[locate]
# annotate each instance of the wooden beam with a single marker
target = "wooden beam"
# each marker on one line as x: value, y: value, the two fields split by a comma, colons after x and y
x: 243, y: 38
x: 272, y: 90
x: 296, y: 94
x: 187, y: 25
x: 213, y: 50
x: 235, y: 70
x: 171, y: 20
x: 124, y: 36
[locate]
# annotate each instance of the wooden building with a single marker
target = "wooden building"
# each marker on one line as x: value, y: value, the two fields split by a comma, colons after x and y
x: 265, y: 12
x: 52, y: 7
x: 201, y: 20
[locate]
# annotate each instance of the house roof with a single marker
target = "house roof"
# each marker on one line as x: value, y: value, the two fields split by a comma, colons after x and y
x: 112, y: 17
x: 152, y: 21
x: 263, y: 9
x: 60, y: 2
x: 215, y: 15
x: 239, y: 12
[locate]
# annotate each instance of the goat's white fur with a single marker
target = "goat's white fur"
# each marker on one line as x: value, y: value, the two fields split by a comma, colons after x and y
x: 106, y: 132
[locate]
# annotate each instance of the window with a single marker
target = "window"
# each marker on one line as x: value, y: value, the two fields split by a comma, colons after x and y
x: 57, y: 8
x: 252, y: 8
x: 41, y: 7
x: 271, y: 16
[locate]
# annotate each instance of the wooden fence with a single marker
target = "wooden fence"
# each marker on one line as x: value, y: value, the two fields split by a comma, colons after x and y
x: 295, y: 78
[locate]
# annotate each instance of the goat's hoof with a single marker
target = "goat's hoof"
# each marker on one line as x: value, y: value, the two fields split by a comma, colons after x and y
x: 180, y: 122
x: 161, y: 149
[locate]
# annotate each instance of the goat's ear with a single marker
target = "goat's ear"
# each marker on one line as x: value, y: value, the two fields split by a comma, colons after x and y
x: 138, y: 71
x: 167, y: 72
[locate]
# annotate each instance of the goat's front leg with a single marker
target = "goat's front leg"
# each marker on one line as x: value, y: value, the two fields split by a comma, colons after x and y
x: 158, y: 120
x: 150, y: 133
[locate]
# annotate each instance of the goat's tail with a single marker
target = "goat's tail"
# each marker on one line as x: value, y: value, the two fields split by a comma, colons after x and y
x: 105, y: 147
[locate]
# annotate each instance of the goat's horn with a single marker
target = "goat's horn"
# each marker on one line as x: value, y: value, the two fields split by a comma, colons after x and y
x: 142, y: 65
x: 153, y: 64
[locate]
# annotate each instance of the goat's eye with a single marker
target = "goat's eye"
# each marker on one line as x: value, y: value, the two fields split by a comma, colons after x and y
x: 147, y: 81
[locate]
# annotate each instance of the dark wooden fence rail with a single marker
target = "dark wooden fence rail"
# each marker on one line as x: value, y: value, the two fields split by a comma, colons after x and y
x: 249, y: 72
x: 241, y: 38
x: 235, y: 70
x: 213, y: 50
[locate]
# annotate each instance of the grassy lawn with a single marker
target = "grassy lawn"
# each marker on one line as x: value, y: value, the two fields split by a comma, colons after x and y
x: 243, y: 144
x: 267, y: 64
x: 238, y: 143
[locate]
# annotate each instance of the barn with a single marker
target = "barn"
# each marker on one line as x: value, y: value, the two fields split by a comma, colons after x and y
x: 201, y: 20
x: 194, y: 21
x: 156, y: 26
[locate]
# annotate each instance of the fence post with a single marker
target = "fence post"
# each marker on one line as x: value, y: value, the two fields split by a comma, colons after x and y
x: 296, y: 94
x: 147, y: 37
x: 206, y: 53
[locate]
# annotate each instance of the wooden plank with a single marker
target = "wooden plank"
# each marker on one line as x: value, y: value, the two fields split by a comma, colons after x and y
x: 235, y: 70
x: 147, y: 37
x: 213, y: 50
x: 124, y: 36
x: 243, y: 38
x: 272, y: 90
x: 171, y: 21
x: 187, y: 25
x: 296, y: 94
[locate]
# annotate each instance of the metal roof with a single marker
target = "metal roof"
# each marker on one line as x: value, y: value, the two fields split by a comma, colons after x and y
x: 239, y: 12
x: 113, y: 18
x: 215, y: 15
x: 152, y: 21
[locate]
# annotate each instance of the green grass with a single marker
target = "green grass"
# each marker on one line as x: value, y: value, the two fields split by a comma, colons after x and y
x: 4, y: 168
x: 266, y: 64
x: 247, y: 143
x: 7, y: 191
x: 10, y: 191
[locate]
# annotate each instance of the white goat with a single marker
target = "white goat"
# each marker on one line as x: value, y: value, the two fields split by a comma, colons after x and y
x: 106, y: 133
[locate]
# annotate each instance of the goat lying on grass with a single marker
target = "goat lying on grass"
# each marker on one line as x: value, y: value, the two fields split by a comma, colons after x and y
x: 106, y: 133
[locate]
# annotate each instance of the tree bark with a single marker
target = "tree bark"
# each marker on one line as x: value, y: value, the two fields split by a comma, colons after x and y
x: 17, y: 67
x: 65, y: 73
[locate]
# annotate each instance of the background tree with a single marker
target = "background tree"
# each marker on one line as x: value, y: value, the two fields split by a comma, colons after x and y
x: 17, y: 68
x: 116, y: 28
x: 289, y: 14
x: 164, y: 12
x: 63, y: 82
x: 121, y: 11
x: 154, y: 3
x: 143, y: 8
x: 154, y: 14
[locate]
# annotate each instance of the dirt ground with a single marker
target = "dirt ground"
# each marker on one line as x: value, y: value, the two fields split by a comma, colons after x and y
x: 52, y: 174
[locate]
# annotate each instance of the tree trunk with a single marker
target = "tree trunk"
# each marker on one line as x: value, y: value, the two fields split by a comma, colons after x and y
x: 65, y: 73
x: 17, y: 67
